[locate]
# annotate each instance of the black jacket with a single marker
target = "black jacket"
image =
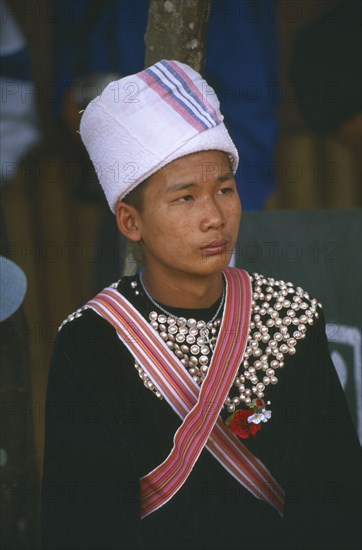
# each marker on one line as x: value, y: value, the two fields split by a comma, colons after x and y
x: 105, y: 430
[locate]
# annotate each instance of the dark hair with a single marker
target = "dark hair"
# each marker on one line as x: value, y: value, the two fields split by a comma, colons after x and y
x: 135, y: 197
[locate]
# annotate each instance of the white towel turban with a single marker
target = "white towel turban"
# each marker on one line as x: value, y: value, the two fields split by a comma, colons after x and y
x: 144, y: 121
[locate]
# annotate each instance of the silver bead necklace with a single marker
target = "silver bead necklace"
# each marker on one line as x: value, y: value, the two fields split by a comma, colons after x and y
x: 192, y: 341
x: 203, y: 326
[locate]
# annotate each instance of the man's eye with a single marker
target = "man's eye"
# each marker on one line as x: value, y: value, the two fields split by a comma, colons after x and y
x: 185, y: 198
x: 225, y: 190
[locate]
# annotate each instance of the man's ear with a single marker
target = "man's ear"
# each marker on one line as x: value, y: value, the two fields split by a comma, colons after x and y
x: 128, y: 221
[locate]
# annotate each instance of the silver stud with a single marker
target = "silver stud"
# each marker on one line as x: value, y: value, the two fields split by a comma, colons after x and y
x: 273, y: 344
x: 287, y: 321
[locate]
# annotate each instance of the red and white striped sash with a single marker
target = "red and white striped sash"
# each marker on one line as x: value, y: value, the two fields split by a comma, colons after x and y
x: 199, y: 408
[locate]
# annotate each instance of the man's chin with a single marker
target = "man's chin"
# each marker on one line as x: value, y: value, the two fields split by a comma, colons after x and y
x: 216, y: 262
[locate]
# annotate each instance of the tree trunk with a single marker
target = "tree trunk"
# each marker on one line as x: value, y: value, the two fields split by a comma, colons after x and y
x: 177, y: 29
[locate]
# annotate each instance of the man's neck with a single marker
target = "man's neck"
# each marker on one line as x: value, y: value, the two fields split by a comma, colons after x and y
x: 187, y: 291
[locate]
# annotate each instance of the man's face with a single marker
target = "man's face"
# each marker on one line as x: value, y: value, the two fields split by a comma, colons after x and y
x: 190, y: 217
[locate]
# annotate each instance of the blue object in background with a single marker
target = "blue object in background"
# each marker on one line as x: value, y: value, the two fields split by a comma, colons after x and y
x: 242, y: 65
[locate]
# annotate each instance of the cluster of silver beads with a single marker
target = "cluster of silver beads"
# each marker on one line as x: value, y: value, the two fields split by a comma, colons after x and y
x: 72, y: 316
x: 280, y: 316
x: 146, y: 381
x: 79, y: 311
x: 191, y: 341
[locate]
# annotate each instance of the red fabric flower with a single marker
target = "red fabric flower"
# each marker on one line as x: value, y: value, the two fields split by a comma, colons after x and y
x: 239, y: 425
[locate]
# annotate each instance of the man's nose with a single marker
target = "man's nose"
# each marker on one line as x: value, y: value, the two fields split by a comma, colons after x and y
x: 212, y: 215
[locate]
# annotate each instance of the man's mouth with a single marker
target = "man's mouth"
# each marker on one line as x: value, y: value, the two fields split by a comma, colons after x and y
x: 215, y: 247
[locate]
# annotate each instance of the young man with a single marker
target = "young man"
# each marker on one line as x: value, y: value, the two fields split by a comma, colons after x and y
x: 191, y: 406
